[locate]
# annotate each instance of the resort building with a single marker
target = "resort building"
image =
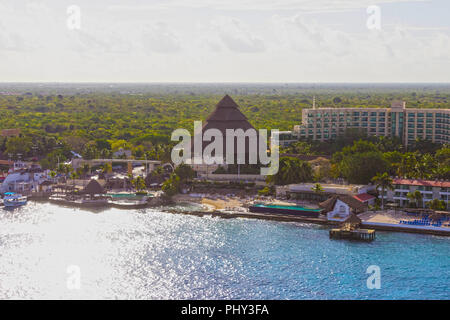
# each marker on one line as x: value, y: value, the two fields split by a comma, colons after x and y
x: 397, y: 121
x: 429, y: 189
x: 24, y: 180
x: 340, y: 207
x: 225, y: 116
x: 286, y: 138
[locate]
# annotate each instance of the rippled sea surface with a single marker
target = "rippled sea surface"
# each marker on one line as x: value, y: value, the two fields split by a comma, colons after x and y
x: 149, y: 254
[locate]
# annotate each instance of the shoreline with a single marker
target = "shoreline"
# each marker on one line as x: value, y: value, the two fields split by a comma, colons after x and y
x: 218, y: 208
x: 319, y: 221
x: 384, y: 221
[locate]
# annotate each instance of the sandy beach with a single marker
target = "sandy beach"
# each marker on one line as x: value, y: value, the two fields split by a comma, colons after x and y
x: 389, y: 216
x: 211, y: 201
x: 238, y: 206
x: 220, y: 202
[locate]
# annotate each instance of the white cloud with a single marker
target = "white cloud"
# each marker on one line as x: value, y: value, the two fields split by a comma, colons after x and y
x: 218, y: 41
x: 11, y: 41
x: 160, y: 38
x: 97, y: 43
x: 394, y: 54
x: 236, y: 36
x: 260, y: 5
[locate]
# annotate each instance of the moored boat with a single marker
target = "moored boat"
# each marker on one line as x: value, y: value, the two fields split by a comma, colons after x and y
x: 13, y: 199
x: 129, y: 203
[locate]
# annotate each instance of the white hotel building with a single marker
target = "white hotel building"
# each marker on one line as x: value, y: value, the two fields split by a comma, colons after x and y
x: 408, y: 124
x: 430, y: 189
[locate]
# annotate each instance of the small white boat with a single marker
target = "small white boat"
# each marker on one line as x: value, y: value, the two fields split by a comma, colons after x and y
x: 12, y: 199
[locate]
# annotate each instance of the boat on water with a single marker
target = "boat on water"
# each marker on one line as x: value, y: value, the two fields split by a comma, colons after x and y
x: 13, y: 199
x: 102, y: 201
x: 129, y: 203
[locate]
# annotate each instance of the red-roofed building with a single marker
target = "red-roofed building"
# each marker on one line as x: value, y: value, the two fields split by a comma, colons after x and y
x: 419, y: 182
x: 430, y: 189
x: 365, y: 198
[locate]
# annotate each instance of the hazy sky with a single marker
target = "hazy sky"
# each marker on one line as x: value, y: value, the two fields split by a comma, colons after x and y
x: 224, y: 41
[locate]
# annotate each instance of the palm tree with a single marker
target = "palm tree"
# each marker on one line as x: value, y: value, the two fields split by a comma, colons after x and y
x: 407, y: 166
x: 106, y: 167
x: 415, y: 196
x: 73, y: 176
x: 138, y: 183
x: 436, y: 204
x: 291, y: 170
x: 424, y: 165
x: 64, y: 168
x: 52, y: 175
x: 317, y: 188
x: 287, y: 172
x: 383, y: 181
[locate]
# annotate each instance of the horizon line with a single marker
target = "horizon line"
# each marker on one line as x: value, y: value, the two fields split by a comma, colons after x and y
x: 217, y: 82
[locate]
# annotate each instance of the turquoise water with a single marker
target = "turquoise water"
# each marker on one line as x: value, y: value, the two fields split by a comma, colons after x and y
x: 299, y: 208
x: 148, y: 254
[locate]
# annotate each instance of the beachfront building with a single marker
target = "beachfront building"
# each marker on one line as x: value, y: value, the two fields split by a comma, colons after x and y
x: 225, y: 116
x: 340, y: 207
x: 24, y: 179
x: 397, y: 121
x: 305, y: 191
x: 429, y: 189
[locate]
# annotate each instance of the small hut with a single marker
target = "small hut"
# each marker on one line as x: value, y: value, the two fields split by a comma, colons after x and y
x: 93, y: 188
x: 46, y: 186
x: 63, y: 188
x: 352, y: 222
x: 350, y: 230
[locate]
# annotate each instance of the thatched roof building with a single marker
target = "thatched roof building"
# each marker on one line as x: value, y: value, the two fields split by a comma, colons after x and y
x: 353, y: 219
x: 225, y: 116
x: 93, y: 187
x: 352, y: 222
x: 355, y: 205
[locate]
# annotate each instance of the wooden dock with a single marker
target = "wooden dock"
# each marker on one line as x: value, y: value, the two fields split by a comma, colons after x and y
x: 356, y: 234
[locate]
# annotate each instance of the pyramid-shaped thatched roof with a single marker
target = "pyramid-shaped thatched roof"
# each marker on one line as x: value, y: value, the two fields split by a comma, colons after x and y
x: 353, y: 219
x: 225, y: 116
x: 228, y: 110
x: 93, y: 187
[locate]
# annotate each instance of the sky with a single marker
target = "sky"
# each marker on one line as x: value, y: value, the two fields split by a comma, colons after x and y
x: 224, y: 41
